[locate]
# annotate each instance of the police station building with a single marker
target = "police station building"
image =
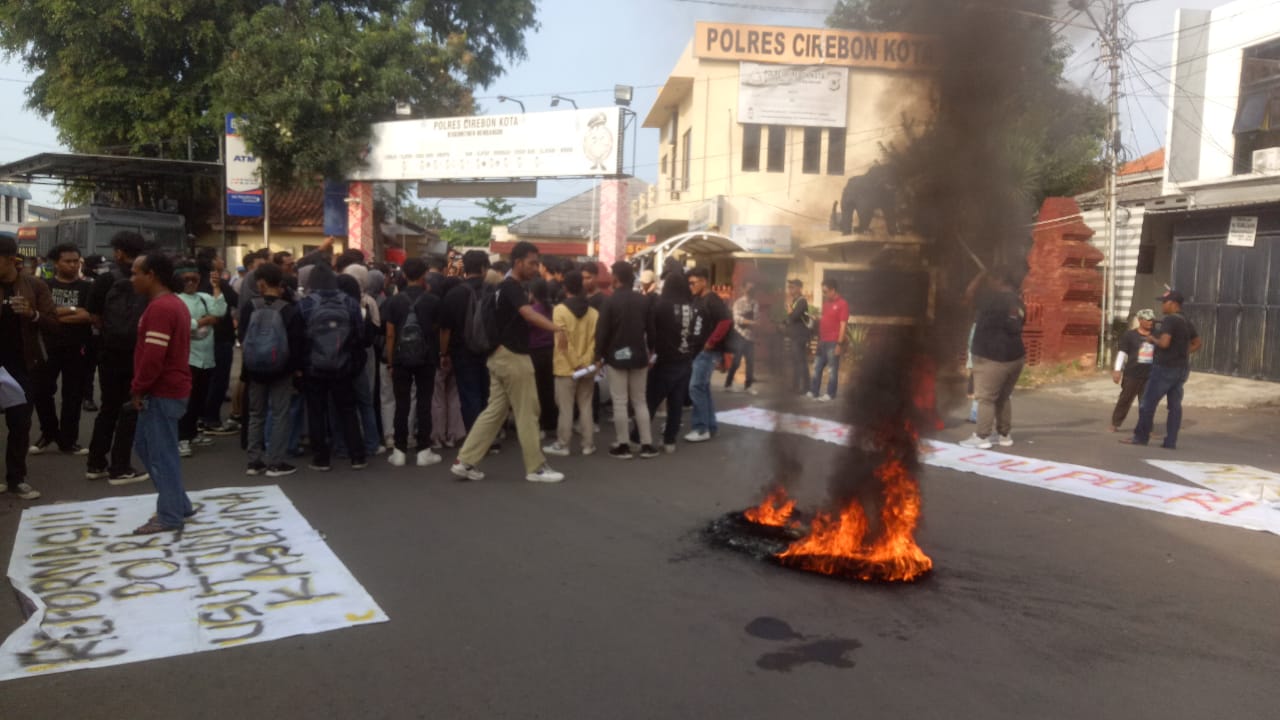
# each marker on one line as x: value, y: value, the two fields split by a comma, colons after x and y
x: 761, y: 129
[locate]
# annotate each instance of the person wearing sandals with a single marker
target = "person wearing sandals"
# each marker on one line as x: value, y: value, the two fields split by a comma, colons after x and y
x: 160, y: 388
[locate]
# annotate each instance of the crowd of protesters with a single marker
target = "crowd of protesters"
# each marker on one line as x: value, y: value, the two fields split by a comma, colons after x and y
x: 342, y: 360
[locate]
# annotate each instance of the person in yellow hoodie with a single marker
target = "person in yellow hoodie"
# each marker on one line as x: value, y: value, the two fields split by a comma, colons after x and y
x: 575, y: 373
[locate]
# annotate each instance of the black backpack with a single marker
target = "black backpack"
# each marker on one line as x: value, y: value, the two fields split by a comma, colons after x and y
x: 121, y: 312
x: 328, y: 331
x: 481, y: 331
x: 411, y: 341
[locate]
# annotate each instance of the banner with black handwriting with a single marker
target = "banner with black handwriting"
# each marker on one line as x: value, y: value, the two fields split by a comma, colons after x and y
x: 247, y: 568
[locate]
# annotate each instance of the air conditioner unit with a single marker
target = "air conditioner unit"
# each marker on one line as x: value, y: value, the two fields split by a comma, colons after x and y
x: 1267, y: 160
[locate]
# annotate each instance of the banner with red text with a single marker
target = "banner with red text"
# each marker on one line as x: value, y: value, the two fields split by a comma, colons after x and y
x: 1129, y: 490
x: 246, y: 569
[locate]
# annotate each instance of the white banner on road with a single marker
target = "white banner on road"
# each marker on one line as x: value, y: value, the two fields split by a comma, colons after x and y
x: 1243, y: 481
x: 1128, y: 490
x: 247, y: 569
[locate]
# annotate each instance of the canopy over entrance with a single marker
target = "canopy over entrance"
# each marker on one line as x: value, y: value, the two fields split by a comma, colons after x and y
x: 700, y: 244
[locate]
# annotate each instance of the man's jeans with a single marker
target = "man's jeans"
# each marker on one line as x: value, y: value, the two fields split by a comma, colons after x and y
x: 342, y: 391
x: 18, y: 421
x: 473, y: 386
x: 156, y: 443
x: 704, y: 411
x: 745, y: 350
x: 799, y: 349
x: 69, y: 364
x: 269, y: 405
x: 224, y: 354
x: 113, y: 428
x: 404, y: 383
x: 1164, y: 382
x: 669, y: 381
x: 828, y: 357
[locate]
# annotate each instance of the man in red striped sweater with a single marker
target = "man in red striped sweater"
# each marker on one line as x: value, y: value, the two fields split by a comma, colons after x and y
x: 161, y: 387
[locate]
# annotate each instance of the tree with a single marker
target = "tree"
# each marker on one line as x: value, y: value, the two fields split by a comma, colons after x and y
x: 134, y: 75
x: 477, y: 231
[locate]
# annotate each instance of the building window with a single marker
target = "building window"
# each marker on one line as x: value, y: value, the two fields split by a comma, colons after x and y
x: 835, y: 151
x: 777, y: 158
x: 664, y: 165
x: 1257, y: 124
x: 685, y: 160
x: 812, y: 151
x: 751, y: 148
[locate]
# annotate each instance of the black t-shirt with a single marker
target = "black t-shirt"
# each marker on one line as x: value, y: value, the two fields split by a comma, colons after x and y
x: 453, y: 310
x: 677, y: 327
x: 513, y: 331
x: 714, y: 312
x: 1140, y: 351
x: 998, y: 335
x: 102, y: 285
x: 69, y: 294
x: 1182, y: 332
x: 427, y: 306
x: 596, y: 301
x: 11, y: 357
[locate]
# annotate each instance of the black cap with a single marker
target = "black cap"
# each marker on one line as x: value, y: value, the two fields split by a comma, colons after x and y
x: 8, y: 246
x: 1172, y: 296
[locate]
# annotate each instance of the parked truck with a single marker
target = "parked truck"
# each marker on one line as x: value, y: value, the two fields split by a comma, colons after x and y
x: 91, y: 228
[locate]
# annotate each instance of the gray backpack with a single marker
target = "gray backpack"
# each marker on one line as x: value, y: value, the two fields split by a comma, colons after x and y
x: 266, y: 342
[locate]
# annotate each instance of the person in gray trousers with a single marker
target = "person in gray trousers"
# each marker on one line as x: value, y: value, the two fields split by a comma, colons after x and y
x: 270, y: 392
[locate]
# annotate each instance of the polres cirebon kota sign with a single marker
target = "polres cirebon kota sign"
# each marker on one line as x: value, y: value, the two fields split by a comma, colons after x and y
x: 562, y: 143
x: 815, y: 46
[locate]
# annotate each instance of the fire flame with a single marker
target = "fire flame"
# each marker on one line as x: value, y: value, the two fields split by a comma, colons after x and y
x: 775, y: 510
x: 834, y: 545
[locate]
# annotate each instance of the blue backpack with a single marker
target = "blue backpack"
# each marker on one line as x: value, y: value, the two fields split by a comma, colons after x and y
x: 328, y: 331
x: 266, y: 341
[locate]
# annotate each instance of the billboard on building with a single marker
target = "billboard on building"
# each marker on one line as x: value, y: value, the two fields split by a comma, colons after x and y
x: 561, y: 143
x: 793, y: 95
x: 244, y: 179
x: 766, y: 239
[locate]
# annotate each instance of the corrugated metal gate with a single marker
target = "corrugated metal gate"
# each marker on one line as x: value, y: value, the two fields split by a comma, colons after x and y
x: 1233, y: 296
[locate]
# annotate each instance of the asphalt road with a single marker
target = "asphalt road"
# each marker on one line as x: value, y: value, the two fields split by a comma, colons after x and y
x: 596, y: 598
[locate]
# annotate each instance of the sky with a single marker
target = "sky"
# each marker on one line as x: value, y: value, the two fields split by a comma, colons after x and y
x: 584, y: 47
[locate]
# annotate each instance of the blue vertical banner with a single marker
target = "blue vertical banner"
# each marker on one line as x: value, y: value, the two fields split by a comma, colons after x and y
x: 335, y: 208
x: 243, y: 171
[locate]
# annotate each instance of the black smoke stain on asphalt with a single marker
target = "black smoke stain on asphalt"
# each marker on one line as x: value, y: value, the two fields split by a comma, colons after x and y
x: 771, y: 628
x: 830, y: 652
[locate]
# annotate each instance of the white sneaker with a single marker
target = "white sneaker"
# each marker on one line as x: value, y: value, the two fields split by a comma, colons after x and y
x: 588, y: 449
x: 669, y: 449
x: 973, y: 441
x: 697, y: 436
x: 396, y: 458
x: 465, y: 471
x: 381, y: 449
x: 545, y: 474
x: 733, y: 389
x: 824, y: 398
x: 427, y: 457
x: 811, y: 396
x: 555, y: 448
x: 184, y: 448
x: 752, y: 391
x: 1005, y: 441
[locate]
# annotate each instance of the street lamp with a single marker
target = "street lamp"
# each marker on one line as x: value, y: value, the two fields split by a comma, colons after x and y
x: 555, y: 101
x: 622, y: 95
x: 504, y: 98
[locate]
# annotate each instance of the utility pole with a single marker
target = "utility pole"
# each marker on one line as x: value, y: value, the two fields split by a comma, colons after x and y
x: 1111, y: 44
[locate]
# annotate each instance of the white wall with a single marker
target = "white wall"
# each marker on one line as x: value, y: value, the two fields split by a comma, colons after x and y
x: 1231, y: 28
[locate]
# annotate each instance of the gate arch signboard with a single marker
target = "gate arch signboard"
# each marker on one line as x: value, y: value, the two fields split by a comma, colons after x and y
x: 560, y: 143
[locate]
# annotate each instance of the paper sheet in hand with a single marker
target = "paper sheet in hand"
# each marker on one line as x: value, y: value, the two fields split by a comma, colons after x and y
x: 11, y: 393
